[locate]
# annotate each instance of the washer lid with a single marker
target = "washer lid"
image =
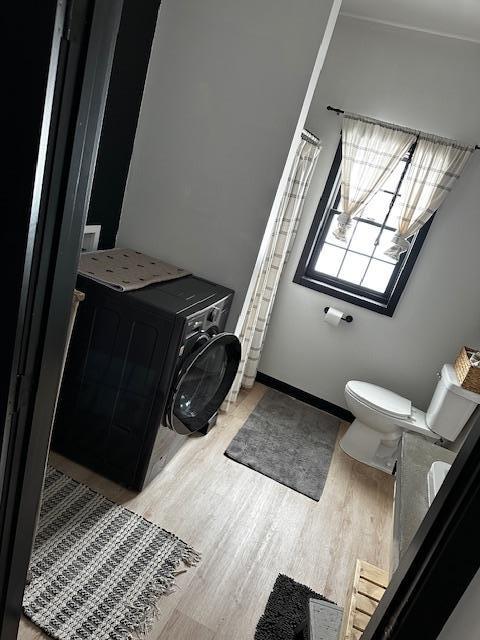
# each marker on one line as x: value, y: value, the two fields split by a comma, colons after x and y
x: 381, y: 399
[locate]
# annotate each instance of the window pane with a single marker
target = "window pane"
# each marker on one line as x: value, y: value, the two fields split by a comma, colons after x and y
x: 378, y: 276
x: 383, y: 245
x: 377, y: 209
x: 392, y: 182
x: 329, y: 260
x: 353, y: 268
x: 394, y: 215
x: 364, y: 237
x: 331, y: 238
x: 359, y: 270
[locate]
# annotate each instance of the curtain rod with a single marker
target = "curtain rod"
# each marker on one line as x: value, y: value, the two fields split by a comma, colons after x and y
x: 341, y: 111
x: 310, y: 137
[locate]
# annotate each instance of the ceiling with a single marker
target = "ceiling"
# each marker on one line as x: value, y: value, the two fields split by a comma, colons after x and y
x: 453, y: 18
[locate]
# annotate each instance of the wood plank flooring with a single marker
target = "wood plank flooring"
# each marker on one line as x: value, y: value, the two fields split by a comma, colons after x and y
x: 249, y: 528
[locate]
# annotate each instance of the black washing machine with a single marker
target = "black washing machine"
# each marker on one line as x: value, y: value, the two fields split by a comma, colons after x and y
x: 145, y: 369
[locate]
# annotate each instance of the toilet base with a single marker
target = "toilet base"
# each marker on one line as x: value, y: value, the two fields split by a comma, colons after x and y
x: 375, y: 448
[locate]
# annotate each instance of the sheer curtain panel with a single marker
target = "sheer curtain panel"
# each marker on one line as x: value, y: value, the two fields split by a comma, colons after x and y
x: 435, y: 167
x: 370, y: 152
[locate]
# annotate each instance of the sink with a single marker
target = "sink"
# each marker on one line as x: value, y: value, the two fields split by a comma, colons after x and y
x: 435, y: 478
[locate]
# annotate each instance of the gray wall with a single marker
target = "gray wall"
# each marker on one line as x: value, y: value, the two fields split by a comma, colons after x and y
x: 224, y: 90
x: 422, y: 81
x: 464, y: 623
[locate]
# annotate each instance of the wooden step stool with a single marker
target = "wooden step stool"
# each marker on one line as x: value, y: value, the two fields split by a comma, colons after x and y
x: 369, y: 584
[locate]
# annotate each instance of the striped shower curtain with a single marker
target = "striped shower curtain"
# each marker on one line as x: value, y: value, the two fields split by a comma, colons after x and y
x: 255, y: 324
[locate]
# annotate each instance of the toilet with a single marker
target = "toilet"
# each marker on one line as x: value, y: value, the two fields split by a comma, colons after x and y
x: 381, y: 416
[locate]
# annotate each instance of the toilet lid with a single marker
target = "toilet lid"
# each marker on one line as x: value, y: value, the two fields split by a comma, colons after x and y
x: 381, y: 399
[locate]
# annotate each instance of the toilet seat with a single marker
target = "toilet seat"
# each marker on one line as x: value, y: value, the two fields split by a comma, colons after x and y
x: 381, y: 416
x: 380, y: 399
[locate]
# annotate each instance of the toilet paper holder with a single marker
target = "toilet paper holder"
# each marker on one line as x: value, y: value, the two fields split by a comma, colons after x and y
x: 344, y: 317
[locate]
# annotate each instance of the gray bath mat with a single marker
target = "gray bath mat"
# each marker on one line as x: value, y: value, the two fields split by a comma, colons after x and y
x: 97, y: 568
x: 289, y: 441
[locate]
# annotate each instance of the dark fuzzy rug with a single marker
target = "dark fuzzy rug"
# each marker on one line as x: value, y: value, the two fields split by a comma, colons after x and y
x: 286, y: 608
x: 289, y: 441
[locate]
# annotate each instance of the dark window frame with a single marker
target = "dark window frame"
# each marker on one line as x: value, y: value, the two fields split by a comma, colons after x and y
x: 305, y: 275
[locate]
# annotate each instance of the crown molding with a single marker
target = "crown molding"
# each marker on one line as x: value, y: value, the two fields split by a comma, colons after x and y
x: 400, y: 25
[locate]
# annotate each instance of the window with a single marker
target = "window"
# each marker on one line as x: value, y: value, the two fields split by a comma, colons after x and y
x: 358, y: 271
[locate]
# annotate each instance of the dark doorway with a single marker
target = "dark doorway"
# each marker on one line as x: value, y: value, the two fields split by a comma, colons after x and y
x: 57, y: 88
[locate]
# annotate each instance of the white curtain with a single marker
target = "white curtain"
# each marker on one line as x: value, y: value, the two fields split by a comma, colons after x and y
x: 253, y: 330
x: 436, y: 165
x: 370, y: 152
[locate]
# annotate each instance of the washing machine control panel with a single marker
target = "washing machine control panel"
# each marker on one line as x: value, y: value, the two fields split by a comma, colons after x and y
x: 213, y: 316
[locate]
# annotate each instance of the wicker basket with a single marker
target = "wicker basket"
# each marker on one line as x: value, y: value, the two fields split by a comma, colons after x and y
x: 468, y: 376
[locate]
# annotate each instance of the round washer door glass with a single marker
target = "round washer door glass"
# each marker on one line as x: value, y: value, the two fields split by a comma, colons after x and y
x: 203, y: 383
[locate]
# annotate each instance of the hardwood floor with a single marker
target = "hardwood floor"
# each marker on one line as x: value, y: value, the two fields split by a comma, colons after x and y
x: 249, y: 528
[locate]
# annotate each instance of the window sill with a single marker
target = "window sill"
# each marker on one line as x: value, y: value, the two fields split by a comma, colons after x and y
x: 385, y: 308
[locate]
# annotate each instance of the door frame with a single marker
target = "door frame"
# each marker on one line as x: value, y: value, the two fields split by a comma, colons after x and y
x: 83, y: 38
x: 442, y: 558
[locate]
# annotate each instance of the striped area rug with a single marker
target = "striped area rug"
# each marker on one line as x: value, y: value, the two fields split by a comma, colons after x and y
x: 97, y: 568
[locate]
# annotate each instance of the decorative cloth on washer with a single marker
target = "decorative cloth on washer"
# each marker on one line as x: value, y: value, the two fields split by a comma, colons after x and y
x: 126, y: 269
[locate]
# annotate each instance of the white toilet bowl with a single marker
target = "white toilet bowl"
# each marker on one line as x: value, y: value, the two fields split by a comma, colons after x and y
x: 381, y: 416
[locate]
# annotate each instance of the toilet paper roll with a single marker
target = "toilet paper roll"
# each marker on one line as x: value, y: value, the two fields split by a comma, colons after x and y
x: 333, y: 316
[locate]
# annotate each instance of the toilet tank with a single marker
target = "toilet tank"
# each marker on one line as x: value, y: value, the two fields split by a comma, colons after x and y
x: 451, y: 405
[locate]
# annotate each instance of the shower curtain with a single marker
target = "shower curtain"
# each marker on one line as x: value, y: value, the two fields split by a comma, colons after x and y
x: 254, y: 327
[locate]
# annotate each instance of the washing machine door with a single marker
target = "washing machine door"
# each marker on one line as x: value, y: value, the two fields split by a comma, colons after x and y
x: 204, y: 379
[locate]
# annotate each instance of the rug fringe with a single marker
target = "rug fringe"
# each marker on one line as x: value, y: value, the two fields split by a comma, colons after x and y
x: 143, y: 613
x: 137, y: 615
